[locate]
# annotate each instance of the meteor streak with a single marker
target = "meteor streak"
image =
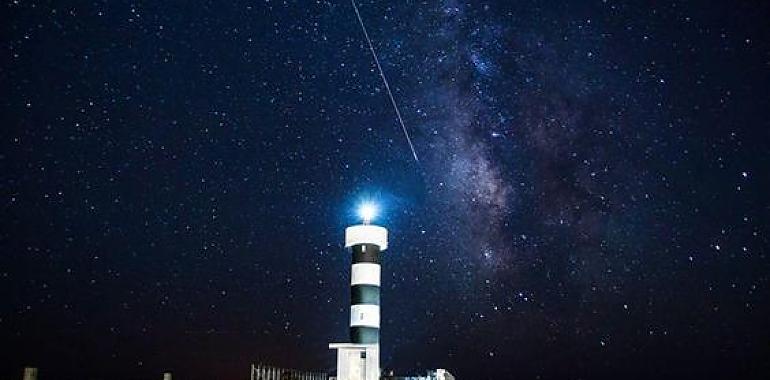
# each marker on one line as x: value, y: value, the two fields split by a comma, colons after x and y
x: 385, y: 81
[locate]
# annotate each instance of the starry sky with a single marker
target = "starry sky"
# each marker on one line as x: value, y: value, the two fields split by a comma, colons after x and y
x: 591, y: 199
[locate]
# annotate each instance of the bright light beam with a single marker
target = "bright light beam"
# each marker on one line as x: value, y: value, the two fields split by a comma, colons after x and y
x: 367, y: 211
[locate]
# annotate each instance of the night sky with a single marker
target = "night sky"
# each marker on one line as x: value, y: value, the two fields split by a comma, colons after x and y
x: 591, y: 200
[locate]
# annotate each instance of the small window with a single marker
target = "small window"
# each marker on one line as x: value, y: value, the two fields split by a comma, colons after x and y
x: 363, y: 355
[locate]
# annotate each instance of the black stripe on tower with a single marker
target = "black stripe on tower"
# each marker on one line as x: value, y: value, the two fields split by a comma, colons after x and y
x: 366, y: 253
x: 365, y: 294
x: 364, y: 335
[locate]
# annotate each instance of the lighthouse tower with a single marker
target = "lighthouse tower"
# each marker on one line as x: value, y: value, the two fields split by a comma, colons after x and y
x: 360, y: 359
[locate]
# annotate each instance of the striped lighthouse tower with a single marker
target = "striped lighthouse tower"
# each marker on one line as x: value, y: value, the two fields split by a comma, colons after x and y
x: 365, y: 241
x: 360, y: 359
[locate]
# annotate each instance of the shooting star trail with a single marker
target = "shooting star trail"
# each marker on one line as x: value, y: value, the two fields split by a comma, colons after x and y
x: 385, y: 81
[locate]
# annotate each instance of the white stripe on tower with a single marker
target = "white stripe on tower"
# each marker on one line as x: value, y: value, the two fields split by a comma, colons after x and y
x: 365, y: 274
x: 365, y: 316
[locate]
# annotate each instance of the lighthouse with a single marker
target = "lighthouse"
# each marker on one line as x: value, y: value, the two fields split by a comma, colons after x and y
x: 360, y: 359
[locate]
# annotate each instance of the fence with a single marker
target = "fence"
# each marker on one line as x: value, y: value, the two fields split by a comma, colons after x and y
x: 266, y: 372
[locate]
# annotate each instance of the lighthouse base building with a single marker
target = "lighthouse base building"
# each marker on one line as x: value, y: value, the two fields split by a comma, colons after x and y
x: 357, y: 361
